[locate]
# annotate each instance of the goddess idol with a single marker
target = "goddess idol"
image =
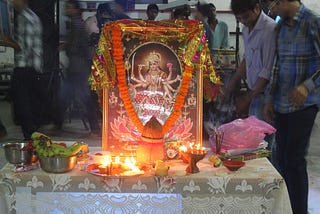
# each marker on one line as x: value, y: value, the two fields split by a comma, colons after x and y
x: 152, y: 72
x: 151, y: 89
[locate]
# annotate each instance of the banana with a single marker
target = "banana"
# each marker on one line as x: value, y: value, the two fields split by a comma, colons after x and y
x: 76, y: 144
x: 74, y: 149
x: 215, y: 159
x: 84, y: 148
x: 45, y: 147
x: 57, y: 146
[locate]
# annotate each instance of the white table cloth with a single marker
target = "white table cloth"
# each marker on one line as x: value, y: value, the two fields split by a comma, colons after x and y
x: 255, y: 188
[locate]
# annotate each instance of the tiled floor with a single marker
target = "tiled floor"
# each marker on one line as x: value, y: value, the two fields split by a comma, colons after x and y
x: 75, y: 129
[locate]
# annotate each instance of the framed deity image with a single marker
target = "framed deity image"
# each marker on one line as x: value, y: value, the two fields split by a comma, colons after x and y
x: 154, y: 76
x: 151, y: 70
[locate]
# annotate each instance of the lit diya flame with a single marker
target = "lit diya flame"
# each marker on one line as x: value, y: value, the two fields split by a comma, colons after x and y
x: 117, y: 160
x: 192, y: 148
x: 191, y: 145
x: 105, y: 166
x: 116, y: 167
x: 131, y: 164
x: 107, y: 161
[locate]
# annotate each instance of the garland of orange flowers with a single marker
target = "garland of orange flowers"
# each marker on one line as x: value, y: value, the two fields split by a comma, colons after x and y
x: 123, y: 87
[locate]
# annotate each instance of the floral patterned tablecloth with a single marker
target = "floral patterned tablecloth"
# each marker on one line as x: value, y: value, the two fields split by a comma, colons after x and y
x: 255, y: 188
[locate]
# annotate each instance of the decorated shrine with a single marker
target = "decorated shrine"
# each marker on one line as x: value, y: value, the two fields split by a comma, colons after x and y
x: 150, y: 76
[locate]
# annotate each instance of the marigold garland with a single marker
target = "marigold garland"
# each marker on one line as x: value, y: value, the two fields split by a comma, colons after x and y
x: 123, y: 87
x: 112, y: 63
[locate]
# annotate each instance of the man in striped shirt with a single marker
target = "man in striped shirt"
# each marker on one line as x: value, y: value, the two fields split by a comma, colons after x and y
x: 293, y: 94
x: 28, y: 64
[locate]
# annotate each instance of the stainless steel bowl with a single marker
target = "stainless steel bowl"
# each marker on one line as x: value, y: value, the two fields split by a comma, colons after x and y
x: 57, y: 164
x: 15, y: 155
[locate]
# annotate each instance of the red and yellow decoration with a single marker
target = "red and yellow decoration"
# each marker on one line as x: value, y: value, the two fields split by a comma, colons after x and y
x: 109, y: 67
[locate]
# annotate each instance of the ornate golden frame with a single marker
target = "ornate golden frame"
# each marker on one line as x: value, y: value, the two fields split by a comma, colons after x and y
x: 109, y: 65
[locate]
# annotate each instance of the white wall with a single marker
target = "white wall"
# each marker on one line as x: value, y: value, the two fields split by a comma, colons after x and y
x: 313, y: 5
x: 221, y: 5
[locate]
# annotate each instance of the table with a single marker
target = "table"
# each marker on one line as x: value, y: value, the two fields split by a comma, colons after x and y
x: 255, y: 188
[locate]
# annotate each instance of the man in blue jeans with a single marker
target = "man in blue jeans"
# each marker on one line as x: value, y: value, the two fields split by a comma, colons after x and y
x: 293, y: 94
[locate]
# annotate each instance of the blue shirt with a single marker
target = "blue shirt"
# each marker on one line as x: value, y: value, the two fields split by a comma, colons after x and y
x: 297, y: 61
x: 259, y: 49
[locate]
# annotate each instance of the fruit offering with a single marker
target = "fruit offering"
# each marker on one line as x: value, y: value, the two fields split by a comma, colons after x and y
x: 215, y: 159
x: 45, y: 147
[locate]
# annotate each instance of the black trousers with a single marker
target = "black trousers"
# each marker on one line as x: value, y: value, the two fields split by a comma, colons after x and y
x: 292, y: 142
x: 26, y: 94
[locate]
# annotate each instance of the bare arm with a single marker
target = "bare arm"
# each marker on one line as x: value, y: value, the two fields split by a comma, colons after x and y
x: 240, y: 73
x: 258, y: 87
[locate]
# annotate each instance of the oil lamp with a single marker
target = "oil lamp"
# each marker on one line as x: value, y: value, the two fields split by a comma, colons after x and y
x: 192, y: 156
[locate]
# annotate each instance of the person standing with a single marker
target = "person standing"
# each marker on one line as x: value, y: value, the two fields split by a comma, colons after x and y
x: 76, y: 78
x: 152, y: 11
x: 28, y: 64
x: 217, y: 34
x: 293, y: 94
x: 216, y: 30
x: 182, y: 13
x: 259, y: 51
x: 95, y: 23
x: 118, y: 8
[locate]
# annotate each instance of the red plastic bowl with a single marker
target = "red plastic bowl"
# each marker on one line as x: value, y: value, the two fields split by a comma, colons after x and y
x: 233, y: 165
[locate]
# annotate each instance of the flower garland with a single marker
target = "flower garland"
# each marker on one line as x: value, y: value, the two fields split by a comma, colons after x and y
x: 123, y: 87
x: 121, y: 74
x: 109, y: 67
x: 184, y: 87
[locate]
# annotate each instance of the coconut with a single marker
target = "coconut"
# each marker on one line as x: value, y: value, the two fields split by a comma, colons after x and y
x: 151, y: 147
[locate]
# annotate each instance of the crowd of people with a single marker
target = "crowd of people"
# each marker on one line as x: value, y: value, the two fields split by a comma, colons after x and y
x: 280, y: 64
